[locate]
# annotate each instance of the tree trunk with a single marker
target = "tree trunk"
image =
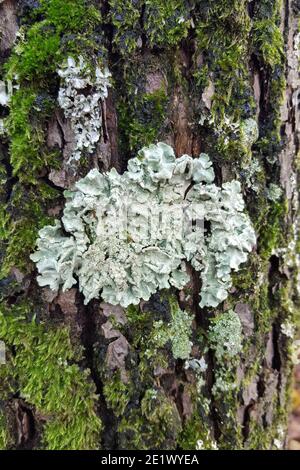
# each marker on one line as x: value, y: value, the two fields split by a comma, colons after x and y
x: 197, y: 75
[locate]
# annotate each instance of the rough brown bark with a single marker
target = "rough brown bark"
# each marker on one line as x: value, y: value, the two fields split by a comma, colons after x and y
x: 168, y: 91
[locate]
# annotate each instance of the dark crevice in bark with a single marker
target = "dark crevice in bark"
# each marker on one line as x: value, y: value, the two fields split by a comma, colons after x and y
x: 276, y: 360
x: 25, y: 425
x: 50, y: 183
x: 89, y: 338
x: 10, y: 179
x: 261, y: 387
x: 286, y: 17
x: 143, y: 35
x: 251, y: 8
x: 256, y: 68
x: 197, y: 283
x: 210, y: 380
x: 246, y: 421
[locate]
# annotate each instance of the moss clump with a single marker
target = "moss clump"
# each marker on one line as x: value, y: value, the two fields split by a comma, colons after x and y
x: 270, y: 229
x: 141, y: 118
x: 222, y: 39
x: 268, y: 41
x: 166, y: 22
x: 21, y: 220
x: 155, y: 426
x: 125, y: 17
x: 24, y: 125
x: 117, y: 394
x: 268, y: 47
x: 60, y: 26
x: 5, y: 439
x: 44, y: 369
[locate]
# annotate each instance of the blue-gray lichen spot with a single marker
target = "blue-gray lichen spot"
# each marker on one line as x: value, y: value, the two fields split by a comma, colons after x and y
x: 126, y: 236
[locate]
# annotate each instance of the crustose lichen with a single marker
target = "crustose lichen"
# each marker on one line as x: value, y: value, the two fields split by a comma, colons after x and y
x: 126, y: 236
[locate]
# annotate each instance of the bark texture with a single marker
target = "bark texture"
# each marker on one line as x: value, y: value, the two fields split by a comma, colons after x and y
x: 194, y: 74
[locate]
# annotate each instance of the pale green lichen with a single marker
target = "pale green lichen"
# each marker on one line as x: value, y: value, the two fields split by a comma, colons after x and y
x: 274, y: 192
x: 82, y: 107
x: 225, y: 335
x: 249, y: 132
x: 178, y: 332
x: 126, y: 236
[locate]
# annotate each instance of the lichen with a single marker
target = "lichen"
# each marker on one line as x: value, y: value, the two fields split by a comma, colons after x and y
x: 129, y: 260
x: 225, y: 335
x: 178, y: 332
x: 82, y: 108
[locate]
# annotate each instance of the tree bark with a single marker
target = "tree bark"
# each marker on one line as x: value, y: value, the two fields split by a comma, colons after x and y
x: 191, y: 74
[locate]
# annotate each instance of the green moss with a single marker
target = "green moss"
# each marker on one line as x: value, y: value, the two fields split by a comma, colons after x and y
x: 4, y: 436
x: 116, y: 393
x: 125, y: 17
x: 37, y: 56
x: 270, y: 229
x: 196, y: 434
x: 268, y: 41
x: 44, y: 367
x: 268, y: 47
x: 166, y: 22
x: 155, y: 426
x: 222, y: 40
x: 21, y: 220
x: 24, y: 125
x: 141, y: 118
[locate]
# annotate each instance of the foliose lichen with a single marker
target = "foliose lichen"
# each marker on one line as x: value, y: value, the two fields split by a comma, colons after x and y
x: 177, y: 332
x: 126, y: 236
x: 79, y: 97
x: 225, y: 335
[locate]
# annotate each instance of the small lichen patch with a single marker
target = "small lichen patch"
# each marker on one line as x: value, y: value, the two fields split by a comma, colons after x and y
x: 225, y: 335
x: 82, y: 107
x: 178, y: 332
x: 128, y: 235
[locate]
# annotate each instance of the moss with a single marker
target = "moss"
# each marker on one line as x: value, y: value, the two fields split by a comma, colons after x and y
x: 222, y: 39
x: 27, y: 149
x: 268, y: 41
x: 4, y: 436
x: 222, y: 35
x: 155, y: 426
x: 260, y: 439
x: 166, y: 22
x: 267, y: 46
x: 141, y: 118
x: 116, y: 393
x: 270, y: 229
x: 125, y: 17
x: 44, y: 367
x: 21, y: 220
